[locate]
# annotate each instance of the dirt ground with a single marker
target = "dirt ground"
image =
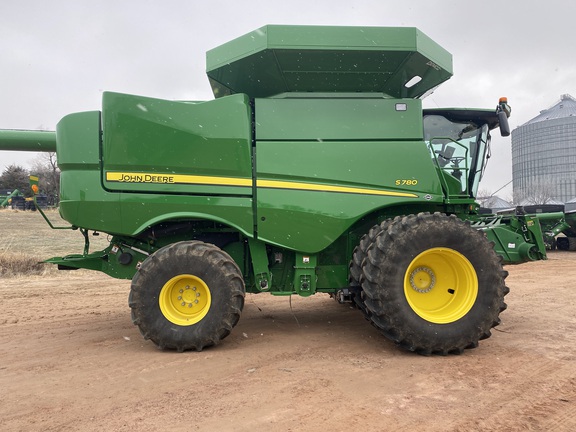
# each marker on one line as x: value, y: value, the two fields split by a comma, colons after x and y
x: 70, y: 359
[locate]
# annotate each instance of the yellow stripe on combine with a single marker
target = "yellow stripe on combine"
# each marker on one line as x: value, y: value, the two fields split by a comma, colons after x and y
x: 128, y: 177
x: 326, y: 188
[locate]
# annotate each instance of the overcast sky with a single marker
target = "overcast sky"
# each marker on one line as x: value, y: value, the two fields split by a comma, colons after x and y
x: 57, y: 57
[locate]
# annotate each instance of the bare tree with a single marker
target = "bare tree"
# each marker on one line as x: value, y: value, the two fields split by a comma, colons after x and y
x: 484, y: 194
x: 46, y: 168
x: 539, y: 192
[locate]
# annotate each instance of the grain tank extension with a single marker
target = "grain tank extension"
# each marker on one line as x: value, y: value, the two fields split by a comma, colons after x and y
x: 314, y: 170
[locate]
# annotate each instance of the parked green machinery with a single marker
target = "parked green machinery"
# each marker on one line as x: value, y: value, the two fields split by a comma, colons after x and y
x: 6, y: 199
x: 314, y: 170
x: 16, y: 200
x: 557, y: 223
x: 568, y: 240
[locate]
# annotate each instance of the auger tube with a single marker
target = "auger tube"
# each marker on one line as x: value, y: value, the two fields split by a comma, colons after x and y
x: 28, y: 140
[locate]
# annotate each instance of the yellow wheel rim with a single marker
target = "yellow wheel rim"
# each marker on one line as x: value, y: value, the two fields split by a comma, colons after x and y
x: 441, y: 285
x: 185, y: 299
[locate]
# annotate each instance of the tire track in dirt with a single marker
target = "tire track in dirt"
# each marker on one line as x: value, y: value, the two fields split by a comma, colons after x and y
x: 539, y: 392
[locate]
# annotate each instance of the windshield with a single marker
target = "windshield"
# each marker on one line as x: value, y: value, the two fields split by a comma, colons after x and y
x: 459, y: 149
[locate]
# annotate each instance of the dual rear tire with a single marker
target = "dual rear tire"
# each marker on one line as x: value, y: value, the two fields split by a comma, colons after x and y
x: 430, y: 283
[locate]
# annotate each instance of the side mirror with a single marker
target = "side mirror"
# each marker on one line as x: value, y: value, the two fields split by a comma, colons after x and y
x: 503, y: 110
x: 504, y: 125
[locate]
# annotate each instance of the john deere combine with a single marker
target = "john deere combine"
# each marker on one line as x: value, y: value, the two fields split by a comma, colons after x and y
x: 314, y: 170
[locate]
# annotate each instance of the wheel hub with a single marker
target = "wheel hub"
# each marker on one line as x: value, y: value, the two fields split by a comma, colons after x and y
x: 185, y: 299
x: 189, y: 296
x: 422, y: 279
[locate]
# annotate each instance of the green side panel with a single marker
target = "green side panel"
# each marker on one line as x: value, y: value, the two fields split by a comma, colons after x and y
x: 85, y: 203
x: 154, y: 145
x: 129, y: 214
x: 281, y: 58
x: 312, y: 188
x: 338, y: 119
x: 139, y: 211
x: 309, y: 221
x: 78, y: 141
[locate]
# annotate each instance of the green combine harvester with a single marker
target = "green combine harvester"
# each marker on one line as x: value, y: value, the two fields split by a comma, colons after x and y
x: 314, y: 170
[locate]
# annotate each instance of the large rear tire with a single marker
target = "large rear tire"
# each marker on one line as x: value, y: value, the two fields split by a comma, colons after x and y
x: 359, y: 256
x: 187, y: 296
x: 433, y: 284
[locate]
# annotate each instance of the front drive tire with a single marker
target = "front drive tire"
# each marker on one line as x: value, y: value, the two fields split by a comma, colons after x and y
x: 433, y: 284
x: 187, y: 296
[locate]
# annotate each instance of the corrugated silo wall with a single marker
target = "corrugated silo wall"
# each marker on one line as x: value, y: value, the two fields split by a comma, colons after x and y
x: 544, y: 158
